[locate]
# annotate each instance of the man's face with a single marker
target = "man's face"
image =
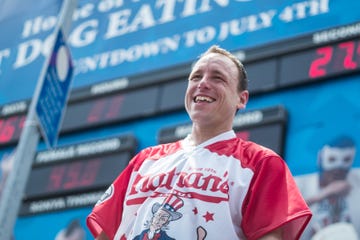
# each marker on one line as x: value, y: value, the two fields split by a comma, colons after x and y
x: 212, y: 97
x: 159, y: 219
x: 336, y: 158
x: 335, y: 163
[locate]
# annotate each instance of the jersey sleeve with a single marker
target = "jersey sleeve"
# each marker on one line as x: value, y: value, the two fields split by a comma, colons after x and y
x: 106, y: 214
x: 274, y: 201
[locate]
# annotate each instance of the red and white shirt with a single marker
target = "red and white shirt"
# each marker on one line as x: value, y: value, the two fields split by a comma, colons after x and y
x: 224, y: 188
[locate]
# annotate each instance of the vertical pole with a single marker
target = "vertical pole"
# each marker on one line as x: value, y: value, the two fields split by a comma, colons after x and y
x: 12, y: 194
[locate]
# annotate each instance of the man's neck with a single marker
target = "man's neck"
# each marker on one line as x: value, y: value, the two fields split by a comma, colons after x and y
x: 200, y: 135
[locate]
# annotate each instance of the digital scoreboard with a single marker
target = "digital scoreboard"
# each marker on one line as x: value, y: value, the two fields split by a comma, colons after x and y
x: 80, y: 171
x: 323, y: 62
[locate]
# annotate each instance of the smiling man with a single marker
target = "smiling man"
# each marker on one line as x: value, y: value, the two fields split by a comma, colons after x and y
x: 210, y: 180
x: 216, y: 90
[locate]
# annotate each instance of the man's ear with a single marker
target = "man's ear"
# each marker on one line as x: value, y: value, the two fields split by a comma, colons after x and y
x: 243, y: 99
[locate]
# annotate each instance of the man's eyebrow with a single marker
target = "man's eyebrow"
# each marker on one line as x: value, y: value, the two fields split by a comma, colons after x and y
x: 195, y: 71
x: 218, y: 72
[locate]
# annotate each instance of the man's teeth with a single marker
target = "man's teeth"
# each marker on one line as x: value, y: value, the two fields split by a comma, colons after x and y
x: 203, y: 99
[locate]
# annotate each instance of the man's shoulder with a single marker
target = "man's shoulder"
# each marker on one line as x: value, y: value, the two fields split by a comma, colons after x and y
x: 161, y: 150
x: 240, y: 146
x: 248, y: 152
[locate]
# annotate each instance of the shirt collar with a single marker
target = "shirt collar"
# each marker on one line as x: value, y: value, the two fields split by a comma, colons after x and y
x: 187, y: 145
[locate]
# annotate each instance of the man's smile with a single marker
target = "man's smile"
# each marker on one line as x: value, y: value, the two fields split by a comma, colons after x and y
x: 201, y: 98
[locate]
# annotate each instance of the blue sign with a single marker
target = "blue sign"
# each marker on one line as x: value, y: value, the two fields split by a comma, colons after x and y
x: 55, y: 90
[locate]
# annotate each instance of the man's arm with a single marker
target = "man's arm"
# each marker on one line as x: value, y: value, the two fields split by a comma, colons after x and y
x: 338, y: 187
x: 274, y: 235
x: 102, y: 236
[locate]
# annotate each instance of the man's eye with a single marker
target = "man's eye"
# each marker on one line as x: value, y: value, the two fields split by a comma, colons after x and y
x: 195, y: 78
x: 218, y: 77
x: 348, y: 159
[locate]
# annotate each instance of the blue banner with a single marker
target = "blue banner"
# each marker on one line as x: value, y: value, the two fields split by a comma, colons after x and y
x: 116, y: 38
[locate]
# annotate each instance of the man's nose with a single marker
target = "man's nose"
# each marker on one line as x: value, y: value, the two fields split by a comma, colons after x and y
x: 204, y: 82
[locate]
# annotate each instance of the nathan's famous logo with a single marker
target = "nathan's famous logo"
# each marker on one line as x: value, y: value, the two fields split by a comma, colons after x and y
x: 107, y: 195
x: 203, y: 185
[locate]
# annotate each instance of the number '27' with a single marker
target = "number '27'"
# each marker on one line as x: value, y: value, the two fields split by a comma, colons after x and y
x: 325, y: 55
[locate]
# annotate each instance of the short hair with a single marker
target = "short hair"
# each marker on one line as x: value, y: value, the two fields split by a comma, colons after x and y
x: 242, y: 76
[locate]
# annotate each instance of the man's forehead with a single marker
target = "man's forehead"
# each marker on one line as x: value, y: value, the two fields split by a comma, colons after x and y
x: 162, y: 212
x: 216, y: 59
x: 337, y: 150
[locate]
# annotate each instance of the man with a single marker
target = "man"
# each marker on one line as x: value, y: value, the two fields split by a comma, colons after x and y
x: 329, y: 192
x: 230, y: 188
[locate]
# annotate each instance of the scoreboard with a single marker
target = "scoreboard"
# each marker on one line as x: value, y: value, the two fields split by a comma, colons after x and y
x: 306, y: 65
x: 61, y: 177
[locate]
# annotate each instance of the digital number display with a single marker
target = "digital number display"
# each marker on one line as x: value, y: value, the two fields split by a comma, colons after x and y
x: 10, y: 129
x: 319, y: 63
x: 76, y: 176
x: 77, y: 168
x: 270, y: 136
x: 110, y: 109
x: 90, y: 113
x: 341, y: 57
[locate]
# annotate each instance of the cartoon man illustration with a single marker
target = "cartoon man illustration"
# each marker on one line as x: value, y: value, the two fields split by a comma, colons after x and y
x: 163, y: 214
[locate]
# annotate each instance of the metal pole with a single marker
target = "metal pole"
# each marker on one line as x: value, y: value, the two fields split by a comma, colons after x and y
x: 11, y: 197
